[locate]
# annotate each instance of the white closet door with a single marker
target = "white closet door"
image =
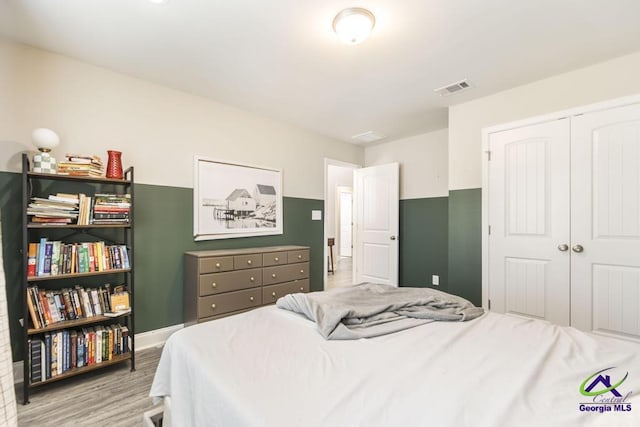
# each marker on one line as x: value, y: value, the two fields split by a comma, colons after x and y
x: 529, y: 219
x: 605, y: 181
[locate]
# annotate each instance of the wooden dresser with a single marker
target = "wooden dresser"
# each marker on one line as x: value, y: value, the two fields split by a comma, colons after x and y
x: 224, y: 282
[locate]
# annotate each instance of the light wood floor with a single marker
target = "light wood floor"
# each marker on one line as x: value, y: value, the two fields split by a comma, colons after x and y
x: 343, y: 273
x: 113, y: 396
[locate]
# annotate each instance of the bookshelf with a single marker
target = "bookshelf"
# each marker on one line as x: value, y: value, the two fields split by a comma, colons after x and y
x: 91, y: 260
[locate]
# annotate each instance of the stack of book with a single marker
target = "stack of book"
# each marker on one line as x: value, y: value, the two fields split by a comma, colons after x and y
x: 50, y: 258
x: 48, y: 307
x: 59, y: 209
x: 111, y: 208
x: 60, y: 351
x: 81, y: 165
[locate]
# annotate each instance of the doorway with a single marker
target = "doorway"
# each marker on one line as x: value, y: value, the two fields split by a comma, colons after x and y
x: 344, y: 201
x: 338, y: 224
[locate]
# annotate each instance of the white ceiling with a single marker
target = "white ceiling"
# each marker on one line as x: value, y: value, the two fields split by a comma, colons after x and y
x: 280, y: 58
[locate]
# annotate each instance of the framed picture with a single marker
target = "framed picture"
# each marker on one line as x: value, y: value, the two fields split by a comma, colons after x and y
x: 235, y: 200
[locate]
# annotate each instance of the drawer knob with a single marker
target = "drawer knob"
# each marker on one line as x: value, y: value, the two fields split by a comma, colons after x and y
x: 213, y: 285
x: 301, y: 271
x: 276, y: 259
x: 273, y: 294
x: 302, y: 288
x: 252, y: 279
x: 251, y: 298
x: 299, y: 256
x: 213, y: 306
x: 249, y: 262
x: 217, y: 265
x: 273, y: 275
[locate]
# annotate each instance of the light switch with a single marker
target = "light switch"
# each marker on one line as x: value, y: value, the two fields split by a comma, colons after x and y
x: 316, y: 215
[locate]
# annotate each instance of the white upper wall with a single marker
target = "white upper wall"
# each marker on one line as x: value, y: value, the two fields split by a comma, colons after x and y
x: 158, y: 129
x: 611, y: 79
x: 423, y: 163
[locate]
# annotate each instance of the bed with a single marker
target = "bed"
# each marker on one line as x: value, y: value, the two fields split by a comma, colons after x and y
x: 271, y: 367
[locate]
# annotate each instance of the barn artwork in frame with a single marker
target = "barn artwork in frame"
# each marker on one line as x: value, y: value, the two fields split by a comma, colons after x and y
x: 235, y: 200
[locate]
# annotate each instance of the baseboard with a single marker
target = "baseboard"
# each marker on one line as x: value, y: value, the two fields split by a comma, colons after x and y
x: 155, y: 338
x: 144, y: 340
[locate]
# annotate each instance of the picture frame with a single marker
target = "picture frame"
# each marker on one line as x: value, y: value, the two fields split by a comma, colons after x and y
x: 233, y: 200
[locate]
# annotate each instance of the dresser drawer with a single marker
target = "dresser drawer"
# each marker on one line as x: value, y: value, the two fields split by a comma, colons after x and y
x: 215, y: 283
x: 247, y: 261
x: 298, y: 256
x: 274, y: 258
x: 270, y: 294
x: 216, y: 264
x: 285, y: 273
x: 214, y: 305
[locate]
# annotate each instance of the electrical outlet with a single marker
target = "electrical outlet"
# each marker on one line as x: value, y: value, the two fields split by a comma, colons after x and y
x: 435, y: 280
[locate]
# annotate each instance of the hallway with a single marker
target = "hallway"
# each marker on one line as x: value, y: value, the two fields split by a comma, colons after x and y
x: 343, y: 267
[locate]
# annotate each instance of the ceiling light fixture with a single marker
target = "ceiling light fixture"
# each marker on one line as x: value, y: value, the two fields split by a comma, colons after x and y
x: 353, y: 25
x: 159, y: 1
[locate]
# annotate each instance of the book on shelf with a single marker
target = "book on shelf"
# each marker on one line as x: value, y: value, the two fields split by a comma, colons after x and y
x: 55, y: 353
x: 53, y: 258
x: 48, y: 252
x: 81, y: 165
x: 117, y: 313
x: 111, y: 208
x: 44, y: 306
x: 35, y: 360
x: 31, y: 259
x: 47, y: 355
x: 40, y: 256
x: 80, y: 209
x: 54, y: 210
x: 35, y: 318
x: 49, y: 307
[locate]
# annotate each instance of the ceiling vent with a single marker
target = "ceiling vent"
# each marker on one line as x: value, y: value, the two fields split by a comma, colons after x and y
x: 369, y: 136
x: 453, y: 88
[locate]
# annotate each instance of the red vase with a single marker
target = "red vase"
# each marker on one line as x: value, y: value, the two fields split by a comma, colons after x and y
x: 114, y: 164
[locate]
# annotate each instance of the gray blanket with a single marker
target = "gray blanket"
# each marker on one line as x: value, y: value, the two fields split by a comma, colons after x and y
x: 370, y: 309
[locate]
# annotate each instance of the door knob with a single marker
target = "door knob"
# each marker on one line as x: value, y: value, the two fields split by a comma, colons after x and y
x: 577, y: 248
x: 392, y: 237
x: 563, y: 247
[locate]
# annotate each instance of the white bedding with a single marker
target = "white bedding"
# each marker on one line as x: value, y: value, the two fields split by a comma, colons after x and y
x: 270, y: 367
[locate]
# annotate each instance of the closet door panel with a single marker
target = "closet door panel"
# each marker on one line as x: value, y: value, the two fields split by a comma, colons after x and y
x: 529, y: 218
x: 605, y: 222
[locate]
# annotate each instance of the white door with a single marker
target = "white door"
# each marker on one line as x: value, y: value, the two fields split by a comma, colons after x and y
x: 605, y: 257
x: 529, y: 219
x: 376, y: 196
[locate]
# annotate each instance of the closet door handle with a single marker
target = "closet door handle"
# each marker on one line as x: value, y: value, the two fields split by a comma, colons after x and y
x: 577, y: 248
x: 563, y: 247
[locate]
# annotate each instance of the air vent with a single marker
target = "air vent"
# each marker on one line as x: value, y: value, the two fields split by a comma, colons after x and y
x: 369, y: 136
x: 453, y: 88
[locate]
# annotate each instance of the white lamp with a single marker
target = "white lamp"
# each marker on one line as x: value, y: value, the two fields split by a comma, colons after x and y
x: 353, y: 25
x: 45, y: 140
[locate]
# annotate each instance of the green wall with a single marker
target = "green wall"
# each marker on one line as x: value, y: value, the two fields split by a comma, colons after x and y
x: 437, y: 236
x: 423, y: 241
x: 465, y: 244
x: 163, y: 232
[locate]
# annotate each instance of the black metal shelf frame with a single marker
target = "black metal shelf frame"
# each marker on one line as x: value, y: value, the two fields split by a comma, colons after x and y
x: 128, y: 230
